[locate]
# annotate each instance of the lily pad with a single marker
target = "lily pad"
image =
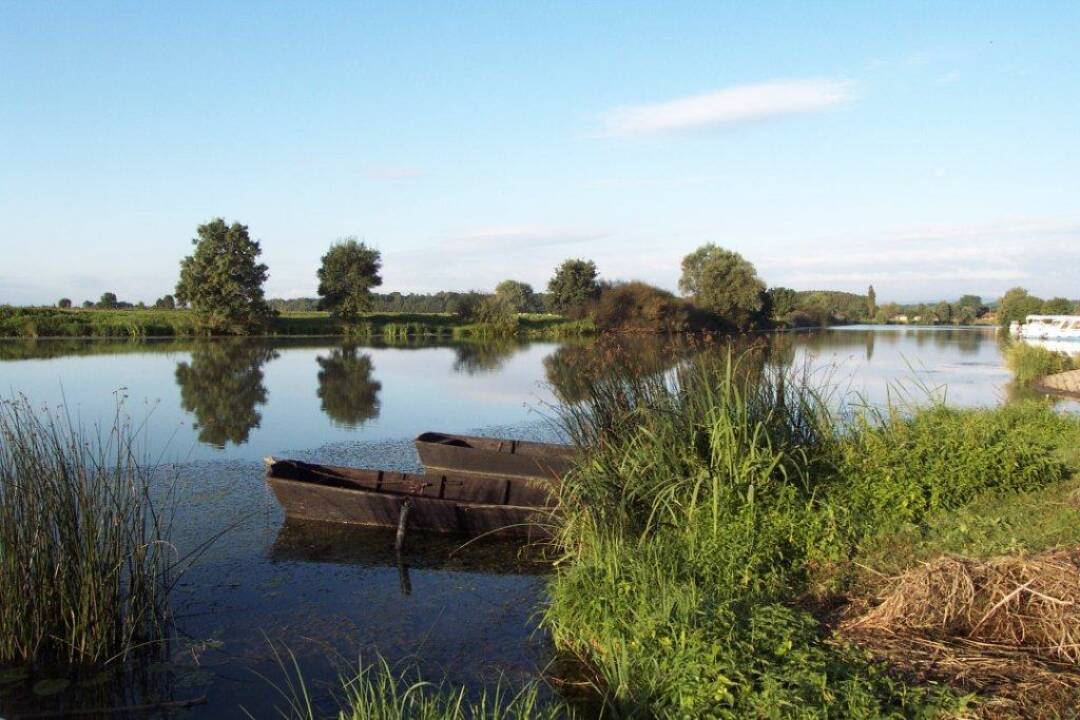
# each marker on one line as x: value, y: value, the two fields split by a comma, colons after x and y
x: 51, y: 686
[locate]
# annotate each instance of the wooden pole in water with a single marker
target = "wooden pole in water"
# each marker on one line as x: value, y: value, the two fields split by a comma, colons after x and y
x: 403, y: 521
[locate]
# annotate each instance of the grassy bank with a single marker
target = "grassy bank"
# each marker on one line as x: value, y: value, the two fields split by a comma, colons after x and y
x: 82, y: 547
x: 147, y: 323
x: 1031, y: 362
x: 726, y: 514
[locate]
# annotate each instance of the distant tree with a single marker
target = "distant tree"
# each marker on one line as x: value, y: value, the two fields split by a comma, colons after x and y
x: 64, y: 303
x: 971, y: 301
x: 467, y: 306
x: 871, y: 302
x: 497, y: 312
x: 88, y: 304
x: 782, y: 301
x: 639, y: 307
x: 223, y: 279
x: 107, y: 301
x: 349, y: 270
x: 943, y: 312
x: 573, y: 286
x: 888, y: 311
x: 166, y: 302
x: 1057, y: 306
x: 723, y: 282
x: 519, y: 295
x: 966, y: 314
x: 1016, y: 304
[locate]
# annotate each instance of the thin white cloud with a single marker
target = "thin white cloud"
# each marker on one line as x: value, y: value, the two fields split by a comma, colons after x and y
x: 395, y: 172
x: 519, y: 237
x: 737, y: 104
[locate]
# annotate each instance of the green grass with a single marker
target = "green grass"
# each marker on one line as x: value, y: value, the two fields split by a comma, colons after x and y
x: 1031, y: 362
x: 147, y: 323
x: 82, y: 547
x: 709, y: 512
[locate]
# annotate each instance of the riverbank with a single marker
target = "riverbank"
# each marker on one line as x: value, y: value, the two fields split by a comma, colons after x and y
x: 159, y: 323
x: 729, y: 549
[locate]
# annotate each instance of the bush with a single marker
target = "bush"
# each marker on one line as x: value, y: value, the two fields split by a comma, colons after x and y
x: 639, y: 307
x: 1031, y: 362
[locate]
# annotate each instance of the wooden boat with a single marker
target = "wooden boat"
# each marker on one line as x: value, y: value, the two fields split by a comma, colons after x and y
x: 439, y: 502
x: 494, y: 456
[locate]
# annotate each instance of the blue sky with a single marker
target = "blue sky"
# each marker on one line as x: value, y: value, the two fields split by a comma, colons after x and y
x: 932, y: 149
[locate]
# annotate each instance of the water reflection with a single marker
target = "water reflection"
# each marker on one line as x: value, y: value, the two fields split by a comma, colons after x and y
x: 222, y: 386
x: 475, y: 358
x: 574, y: 367
x: 348, y: 393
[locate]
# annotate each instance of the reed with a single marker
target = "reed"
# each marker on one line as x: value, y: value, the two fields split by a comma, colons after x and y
x: 82, y: 544
x: 1030, y: 362
x: 718, y: 499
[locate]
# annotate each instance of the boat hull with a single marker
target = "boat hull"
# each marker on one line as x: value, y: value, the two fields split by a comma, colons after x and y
x: 440, y: 503
x: 495, y: 457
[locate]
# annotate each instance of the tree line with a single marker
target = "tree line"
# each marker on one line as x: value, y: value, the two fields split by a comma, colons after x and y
x: 222, y: 283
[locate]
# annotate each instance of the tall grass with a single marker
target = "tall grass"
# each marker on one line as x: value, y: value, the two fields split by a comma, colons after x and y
x: 718, y: 497
x: 376, y: 691
x: 83, y: 553
x: 1031, y: 362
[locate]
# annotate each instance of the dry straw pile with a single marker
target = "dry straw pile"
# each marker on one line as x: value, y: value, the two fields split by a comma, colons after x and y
x: 1007, y: 628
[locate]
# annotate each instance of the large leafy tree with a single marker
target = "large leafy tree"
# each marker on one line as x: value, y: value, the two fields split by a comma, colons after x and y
x: 222, y: 280
x: 723, y: 282
x: 1057, y: 306
x: 573, y: 286
x: 349, y: 270
x: 871, y: 302
x: 1016, y: 304
x: 781, y: 301
x: 519, y: 295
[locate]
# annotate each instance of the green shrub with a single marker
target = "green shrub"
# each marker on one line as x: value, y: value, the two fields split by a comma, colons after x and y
x: 639, y: 307
x: 1031, y: 362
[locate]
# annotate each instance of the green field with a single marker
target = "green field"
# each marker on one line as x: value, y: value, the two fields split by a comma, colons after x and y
x: 147, y: 323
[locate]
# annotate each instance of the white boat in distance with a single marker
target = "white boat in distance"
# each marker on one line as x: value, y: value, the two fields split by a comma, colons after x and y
x: 1047, y: 327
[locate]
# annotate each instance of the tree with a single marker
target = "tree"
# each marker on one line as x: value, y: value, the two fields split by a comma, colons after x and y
x: 966, y: 314
x: 222, y: 280
x: 107, y: 301
x: 639, y: 307
x: 971, y: 301
x: 573, y: 286
x: 349, y: 270
x: 519, y: 295
x: 88, y: 304
x: 782, y: 301
x: 871, y: 303
x: 1057, y: 306
x: 723, y: 282
x: 167, y: 302
x: 1016, y: 304
x: 64, y: 303
x: 943, y: 312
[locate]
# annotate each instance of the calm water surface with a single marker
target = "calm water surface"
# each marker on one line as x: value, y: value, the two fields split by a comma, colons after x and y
x: 216, y: 409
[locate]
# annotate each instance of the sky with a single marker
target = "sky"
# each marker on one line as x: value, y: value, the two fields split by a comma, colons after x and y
x: 931, y: 149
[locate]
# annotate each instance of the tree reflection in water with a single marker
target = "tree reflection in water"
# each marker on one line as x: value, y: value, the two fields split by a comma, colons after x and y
x: 349, y: 395
x: 222, y: 386
x: 489, y: 355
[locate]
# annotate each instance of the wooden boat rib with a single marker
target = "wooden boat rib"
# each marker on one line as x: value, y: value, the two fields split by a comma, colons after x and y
x: 438, y: 502
x: 494, y: 456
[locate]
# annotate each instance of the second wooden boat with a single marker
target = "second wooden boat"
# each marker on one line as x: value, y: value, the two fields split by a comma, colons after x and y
x: 438, y: 502
x: 443, y: 452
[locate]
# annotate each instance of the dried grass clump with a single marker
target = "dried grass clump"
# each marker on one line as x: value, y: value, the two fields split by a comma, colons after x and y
x: 1008, y: 628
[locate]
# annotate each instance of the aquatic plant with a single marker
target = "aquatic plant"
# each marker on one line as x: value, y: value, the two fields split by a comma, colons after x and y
x: 1031, y: 362
x: 83, y: 547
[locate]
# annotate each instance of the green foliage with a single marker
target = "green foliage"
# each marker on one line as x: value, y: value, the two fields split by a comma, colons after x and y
x: 347, y: 392
x: 223, y: 387
x: 519, y: 295
x: 1058, y: 306
x: 1031, y: 362
x: 349, y: 270
x: 222, y: 280
x: 573, y: 286
x: 166, y: 302
x: 639, y: 307
x: 943, y: 313
x: 781, y: 302
x: 108, y: 301
x: 64, y: 303
x: 467, y: 307
x: 871, y: 302
x: 1016, y: 305
x: 84, y: 554
x: 723, y: 282
x: 717, y: 495
x: 831, y: 307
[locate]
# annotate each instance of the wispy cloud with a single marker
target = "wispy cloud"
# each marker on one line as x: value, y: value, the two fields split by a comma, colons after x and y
x: 395, y: 172
x: 737, y: 104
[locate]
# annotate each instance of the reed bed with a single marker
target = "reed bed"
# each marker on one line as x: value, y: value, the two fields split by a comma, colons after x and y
x: 1031, y: 362
x: 82, y: 545
x: 723, y: 510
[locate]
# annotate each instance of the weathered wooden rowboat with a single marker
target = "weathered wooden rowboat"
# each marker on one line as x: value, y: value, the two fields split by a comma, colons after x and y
x: 493, y: 456
x: 438, y: 502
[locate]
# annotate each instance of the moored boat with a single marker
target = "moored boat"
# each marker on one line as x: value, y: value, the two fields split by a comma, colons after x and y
x: 1047, y: 327
x: 494, y: 456
x: 438, y: 502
